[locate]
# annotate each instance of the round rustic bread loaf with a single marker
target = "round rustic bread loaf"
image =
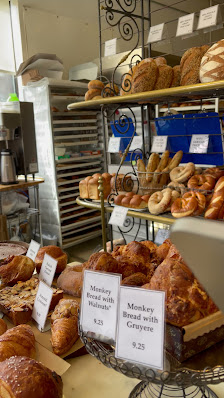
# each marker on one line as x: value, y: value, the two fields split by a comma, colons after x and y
x: 212, y: 63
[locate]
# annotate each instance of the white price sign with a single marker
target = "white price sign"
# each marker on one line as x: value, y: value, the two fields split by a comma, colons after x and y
x: 199, y: 143
x: 159, y: 143
x: 33, y: 249
x: 136, y: 143
x: 141, y: 323
x: 162, y: 235
x: 208, y: 17
x: 110, y: 47
x: 156, y: 33
x: 99, y: 306
x: 185, y: 25
x: 48, y: 269
x: 114, y: 145
x: 42, y: 304
x: 118, y: 216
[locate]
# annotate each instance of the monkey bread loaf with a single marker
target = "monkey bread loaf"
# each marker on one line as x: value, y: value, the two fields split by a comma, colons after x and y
x: 212, y: 63
x: 190, y: 65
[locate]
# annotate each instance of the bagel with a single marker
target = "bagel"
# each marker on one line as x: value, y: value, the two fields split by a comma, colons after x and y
x: 201, y: 201
x: 182, y: 173
x: 177, y: 187
x: 184, y: 207
x: 159, y: 201
x: 202, y: 182
x: 90, y: 94
x: 95, y: 84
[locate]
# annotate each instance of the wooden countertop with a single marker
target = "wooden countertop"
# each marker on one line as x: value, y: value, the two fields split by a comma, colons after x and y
x: 21, y: 184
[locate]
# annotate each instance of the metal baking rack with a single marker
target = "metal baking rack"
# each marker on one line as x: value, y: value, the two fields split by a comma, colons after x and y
x: 129, y: 21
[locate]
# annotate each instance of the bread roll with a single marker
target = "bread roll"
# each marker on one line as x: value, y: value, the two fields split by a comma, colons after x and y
x: 22, y: 377
x: 90, y: 94
x: 102, y: 261
x: 145, y: 76
x: 190, y: 65
x: 54, y: 252
x: 95, y: 84
x: 20, y: 268
x: 165, y: 77
x: 212, y: 63
x: 71, y: 280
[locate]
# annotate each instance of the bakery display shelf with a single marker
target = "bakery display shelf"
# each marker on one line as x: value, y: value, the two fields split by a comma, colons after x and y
x: 78, y: 223
x: 77, y: 172
x: 79, y: 240
x: 78, y: 158
x: 81, y: 229
x: 74, y: 121
x: 70, y: 209
x: 174, y: 94
x: 71, y: 136
x: 78, y: 143
x: 76, y: 166
x: 57, y: 129
x: 164, y: 219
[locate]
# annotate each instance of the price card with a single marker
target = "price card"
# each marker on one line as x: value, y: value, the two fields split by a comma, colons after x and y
x: 155, y: 33
x: 208, y: 17
x: 199, y: 143
x: 118, y: 216
x: 136, y: 143
x: 33, y: 249
x: 48, y: 269
x: 159, y: 143
x: 110, y: 47
x: 162, y: 235
x: 42, y: 304
x: 114, y: 145
x: 99, y: 307
x: 140, y: 332
x: 185, y: 25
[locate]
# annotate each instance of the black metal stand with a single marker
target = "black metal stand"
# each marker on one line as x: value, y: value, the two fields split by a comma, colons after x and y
x: 149, y: 390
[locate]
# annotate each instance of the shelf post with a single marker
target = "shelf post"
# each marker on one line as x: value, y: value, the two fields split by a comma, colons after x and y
x: 101, y: 194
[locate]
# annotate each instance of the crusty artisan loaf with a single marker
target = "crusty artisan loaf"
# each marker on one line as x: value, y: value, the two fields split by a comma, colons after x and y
x: 217, y: 200
x: 212, y: 63
x: 127, y: 82
x: 176, y: 76
x: 56, y: 253
x: 145, y: 76
x: 22, y: 377
x: 165, y: 77
x: 190, y: 65
x: 20, y: 268
x: 186, y: 300
x: 71, y: 280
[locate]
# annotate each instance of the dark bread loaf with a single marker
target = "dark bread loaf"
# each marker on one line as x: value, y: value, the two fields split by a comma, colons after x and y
x: 190, y: 65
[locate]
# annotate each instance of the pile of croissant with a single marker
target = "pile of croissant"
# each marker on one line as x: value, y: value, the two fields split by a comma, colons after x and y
x: 143, y: 264
x: 20, y: 374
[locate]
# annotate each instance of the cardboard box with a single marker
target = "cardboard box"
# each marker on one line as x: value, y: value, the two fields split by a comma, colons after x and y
x: 184, y: 342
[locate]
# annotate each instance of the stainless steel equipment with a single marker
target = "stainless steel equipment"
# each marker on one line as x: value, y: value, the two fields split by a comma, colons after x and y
x: 17, y: 133
x: 8, y: 170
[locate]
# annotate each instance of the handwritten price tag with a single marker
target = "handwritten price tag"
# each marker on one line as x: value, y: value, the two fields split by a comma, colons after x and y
x: 199, y: 143
x: 140, y: 332
x: 136, y: 143
x: 99, y: 304
x: 110, y: 47
x: 118, y: 216
x: 159, y: 144
x: 185, y: 25
x: 33, y: 249
x: 208, y: 17
x: 156, y: 33
x: 42, y: 304
x: 114, y: 145
x: 162, y: 235
x: 48, y: 269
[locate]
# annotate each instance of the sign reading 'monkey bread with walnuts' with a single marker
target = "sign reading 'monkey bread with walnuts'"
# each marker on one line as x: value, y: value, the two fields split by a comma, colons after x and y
x: 100, y: 296
x: 140, y: 332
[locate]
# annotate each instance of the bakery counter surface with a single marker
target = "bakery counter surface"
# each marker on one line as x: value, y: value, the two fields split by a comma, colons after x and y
x: 175, y: 94
x: 87, y: 377
x: 164, y: 219
x: 21, y: 184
